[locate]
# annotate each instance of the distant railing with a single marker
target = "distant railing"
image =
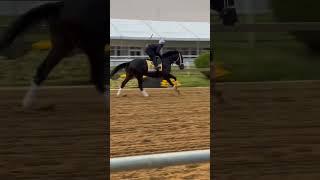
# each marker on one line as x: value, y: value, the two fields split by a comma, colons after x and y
x: 145, y: 56
x: 116, y: 60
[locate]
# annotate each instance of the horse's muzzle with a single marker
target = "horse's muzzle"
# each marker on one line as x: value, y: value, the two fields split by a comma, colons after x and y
x: 181, y: 66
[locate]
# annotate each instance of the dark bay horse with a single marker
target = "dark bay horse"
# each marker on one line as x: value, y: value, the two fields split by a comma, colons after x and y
x: 138, y: 68
x: 73, y: 24
x: 226, y: 10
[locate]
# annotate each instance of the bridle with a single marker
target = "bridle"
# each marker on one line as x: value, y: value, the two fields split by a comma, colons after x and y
x: 180, y: 60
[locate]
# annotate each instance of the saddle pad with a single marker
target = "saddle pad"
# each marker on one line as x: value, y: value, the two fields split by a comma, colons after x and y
x: 150, y: 66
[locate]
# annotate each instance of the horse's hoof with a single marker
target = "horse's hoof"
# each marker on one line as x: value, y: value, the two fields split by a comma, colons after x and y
x: 144, y: 93
x: 27, y: 103
x: 176, y: 90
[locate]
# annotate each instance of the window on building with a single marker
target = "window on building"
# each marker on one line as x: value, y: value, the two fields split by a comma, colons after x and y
x: 135, y: 51
x: 124, y: 51
x: 184, y: 51
x: 193, y: 51
x: 115, y: 51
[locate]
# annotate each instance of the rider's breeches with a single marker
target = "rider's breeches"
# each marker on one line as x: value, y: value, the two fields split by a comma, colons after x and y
x: 153, y: 57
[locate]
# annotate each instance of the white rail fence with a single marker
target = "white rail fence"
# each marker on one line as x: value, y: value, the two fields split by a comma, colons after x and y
x: 116, y: 60
x: 159, y: 160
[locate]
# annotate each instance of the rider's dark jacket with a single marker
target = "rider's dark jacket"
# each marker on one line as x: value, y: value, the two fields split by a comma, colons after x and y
x: 153, y: 50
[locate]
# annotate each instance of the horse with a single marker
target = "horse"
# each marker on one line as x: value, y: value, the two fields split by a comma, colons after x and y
x: 138, y: 68
x: 72, y: 25
x: 226, y: 10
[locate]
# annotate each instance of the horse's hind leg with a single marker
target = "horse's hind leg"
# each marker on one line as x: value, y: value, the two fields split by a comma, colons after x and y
x: 123, y: 84
x: 140, y: 82
x: 54, y: 57
x: 175, y: 87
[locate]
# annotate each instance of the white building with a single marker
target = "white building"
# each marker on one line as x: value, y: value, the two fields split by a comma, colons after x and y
x: 184, y: 24
x: 129, y: 37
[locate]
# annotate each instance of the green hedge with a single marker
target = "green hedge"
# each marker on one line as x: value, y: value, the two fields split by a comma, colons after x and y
x: 203, y: 61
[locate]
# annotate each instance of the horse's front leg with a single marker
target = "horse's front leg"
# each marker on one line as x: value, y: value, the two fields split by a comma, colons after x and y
x: 172, y: 76
x: 140, y: 82
x: 174, y: 86
x: 53, y: 58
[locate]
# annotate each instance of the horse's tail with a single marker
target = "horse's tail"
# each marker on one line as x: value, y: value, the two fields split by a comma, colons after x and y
x: 31, y: 17
x: 118, y: 68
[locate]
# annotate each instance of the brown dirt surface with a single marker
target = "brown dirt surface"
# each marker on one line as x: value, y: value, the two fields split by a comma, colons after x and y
x: 268, y: 130
x: 63, y: 137
x: 163, y: 122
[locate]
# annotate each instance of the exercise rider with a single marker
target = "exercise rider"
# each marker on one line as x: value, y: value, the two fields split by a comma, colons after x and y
x: 153, y: 50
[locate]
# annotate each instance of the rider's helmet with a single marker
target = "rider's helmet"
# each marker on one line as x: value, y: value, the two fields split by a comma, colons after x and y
x: 162, y: 41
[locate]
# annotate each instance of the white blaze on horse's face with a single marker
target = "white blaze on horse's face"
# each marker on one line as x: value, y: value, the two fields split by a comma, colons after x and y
x: 181, y: 65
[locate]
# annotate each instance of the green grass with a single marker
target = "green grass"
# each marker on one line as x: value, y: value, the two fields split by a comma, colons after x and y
x: 275, y: 56
x: 73, y: 71
x: 269, y: 61
x: 188, y: 78
x: 19, y: 72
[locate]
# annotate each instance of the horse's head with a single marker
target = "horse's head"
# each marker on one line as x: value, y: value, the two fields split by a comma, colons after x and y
x: 179, y: 60
x: 174, y: 57
x: 227, y: 11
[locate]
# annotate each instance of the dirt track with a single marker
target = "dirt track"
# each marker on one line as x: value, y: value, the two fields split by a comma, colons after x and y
x: 268, y: 131
x: 55, y: 142
x: 64, y: 138
x: 161, y: 123
x: 259, y: 127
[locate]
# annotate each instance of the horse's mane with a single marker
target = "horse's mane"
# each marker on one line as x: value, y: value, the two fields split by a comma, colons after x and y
x: 169, y: 53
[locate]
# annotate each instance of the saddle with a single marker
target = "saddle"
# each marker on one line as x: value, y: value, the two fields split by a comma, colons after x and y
x: 150, y: 65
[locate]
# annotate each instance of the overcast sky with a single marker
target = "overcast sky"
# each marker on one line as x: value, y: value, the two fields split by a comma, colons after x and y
x: 172, y: 10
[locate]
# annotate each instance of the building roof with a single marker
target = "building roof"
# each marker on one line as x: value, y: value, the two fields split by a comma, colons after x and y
x: 168, y: 30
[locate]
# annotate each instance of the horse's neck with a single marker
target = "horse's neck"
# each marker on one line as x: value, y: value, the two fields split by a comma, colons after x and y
x: 170, y: 59
x: 172, y: 55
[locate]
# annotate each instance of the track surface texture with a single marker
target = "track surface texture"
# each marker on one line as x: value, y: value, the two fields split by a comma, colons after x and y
x: 163, y: 122
x: 268, y: 131
x: 63, y: 137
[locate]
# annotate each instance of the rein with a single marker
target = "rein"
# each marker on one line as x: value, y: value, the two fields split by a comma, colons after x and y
x: 179, y: 58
